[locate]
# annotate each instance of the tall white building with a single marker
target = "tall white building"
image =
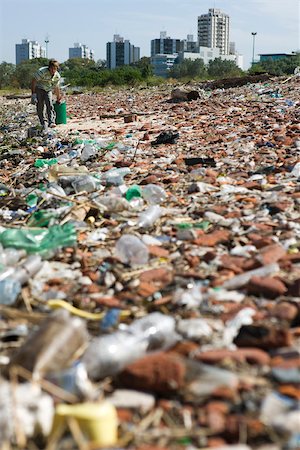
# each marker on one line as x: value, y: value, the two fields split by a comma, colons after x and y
x: 213, y: 30
x: 80, y: 51
x: 121, y: 53
x: 29, y: 50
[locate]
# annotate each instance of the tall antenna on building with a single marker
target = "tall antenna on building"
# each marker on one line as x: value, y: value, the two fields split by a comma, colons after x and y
x: 47, y: 42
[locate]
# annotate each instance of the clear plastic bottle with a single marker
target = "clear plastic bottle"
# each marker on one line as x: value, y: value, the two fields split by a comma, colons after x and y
x: 9, y: 291
x: 53, y: 345
x: 131, y: 250
x: 148, y: 217
x: 296, y: 170
x: 154, y: 194
x: 109, y: 354
x: 23, y: 271
x: 66, y: 157
x: 238, y: 281
x: 85, y: 183
x: 10, y: 256
x: 88, y: 152
x: 112, y: 203
x: 113, y: 154
x: 115, y: 176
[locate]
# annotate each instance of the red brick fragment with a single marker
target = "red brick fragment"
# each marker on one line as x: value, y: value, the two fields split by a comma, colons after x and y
x: 157, y: 275
x: 266, y: 286
x: 214, y: 238
x: 158, y: 251
x: 249, y: 355
x: 271, y: 254
x: 159, y: 373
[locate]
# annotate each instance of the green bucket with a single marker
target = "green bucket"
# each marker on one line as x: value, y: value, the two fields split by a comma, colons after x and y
x: 61, y: 113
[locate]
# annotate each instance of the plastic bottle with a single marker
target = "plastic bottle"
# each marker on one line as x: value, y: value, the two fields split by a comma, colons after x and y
x: 112, y: 154
x: 12, y: 278
x: 154, y: 194
x: 74, y: 380
x: 88, y: 152
x: 109, y: 354
x: 112, y: 203
x: 10, y: 256
x: 148, y: 217
x: 85, y: 183
x: 23, y: 271
x: 296, y: 170
x: 240, y: 280
x: 115, y: 176
x: 131, y: 250
x: 66, y: 157
x: 53, y: 346
x: 9, y: 291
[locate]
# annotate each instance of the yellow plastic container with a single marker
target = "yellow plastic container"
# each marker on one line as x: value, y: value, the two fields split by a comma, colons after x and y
x: 97, y: 421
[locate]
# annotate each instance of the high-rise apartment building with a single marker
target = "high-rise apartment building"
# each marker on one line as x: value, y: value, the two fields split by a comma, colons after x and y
x: 29, y: 50
x: 164, y: 45
x: 213, y: 30
x: 80, y: 51
x: 121, y: 53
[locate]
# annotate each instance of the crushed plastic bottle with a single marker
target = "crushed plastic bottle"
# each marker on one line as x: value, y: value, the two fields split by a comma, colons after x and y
x: 10, y: 256
x: 131, y: 250
x: 9, y: 291
x: 111, y: 203
x: 85, y: 183
x: 88, y: 151
x: 115, y: 177
x: 148, y: 217
x: 66, y: 157
x: 13, y: 277
x: 154, y: 194
x: 109, y: 354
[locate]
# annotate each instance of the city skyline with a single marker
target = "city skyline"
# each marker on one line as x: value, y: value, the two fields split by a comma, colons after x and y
x: 93, y: 22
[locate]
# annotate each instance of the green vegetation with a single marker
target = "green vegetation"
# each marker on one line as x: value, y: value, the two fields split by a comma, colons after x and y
x: 284, y: 66
x: 217, y: 68
x: 189, y: 69
x: 90, y: 74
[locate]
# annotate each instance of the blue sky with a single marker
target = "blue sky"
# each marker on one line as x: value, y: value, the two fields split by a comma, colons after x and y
x: 94, y: 22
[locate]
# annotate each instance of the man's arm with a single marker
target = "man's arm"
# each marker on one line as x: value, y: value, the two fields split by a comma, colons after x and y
x: 57, y: 92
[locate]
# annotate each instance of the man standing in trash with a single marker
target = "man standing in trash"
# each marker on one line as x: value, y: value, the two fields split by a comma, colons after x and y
x: 44, y: 81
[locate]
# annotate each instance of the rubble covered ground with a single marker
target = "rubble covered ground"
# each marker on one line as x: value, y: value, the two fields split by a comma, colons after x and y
x: 222, y: 259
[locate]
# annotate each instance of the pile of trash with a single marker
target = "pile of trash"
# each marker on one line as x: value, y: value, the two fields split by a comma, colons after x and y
x: 150, y: 270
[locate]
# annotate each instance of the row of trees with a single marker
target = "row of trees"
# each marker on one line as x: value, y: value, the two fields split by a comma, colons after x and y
x: 197, y: 69
x: 81, y: 72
